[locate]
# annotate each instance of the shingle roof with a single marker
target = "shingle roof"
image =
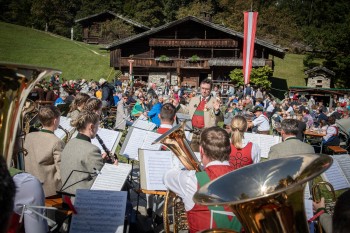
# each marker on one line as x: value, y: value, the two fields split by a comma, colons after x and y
x: 279, y: 51
x: 317, y: 68
x: 130, y: 21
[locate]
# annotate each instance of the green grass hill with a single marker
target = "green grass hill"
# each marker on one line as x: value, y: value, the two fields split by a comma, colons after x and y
x: 78, y: 60
x: 75, y: 59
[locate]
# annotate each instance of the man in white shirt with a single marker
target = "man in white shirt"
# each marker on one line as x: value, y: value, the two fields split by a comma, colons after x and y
x: 271, y: 107
x: 261, y: 121
x: 215, y: 150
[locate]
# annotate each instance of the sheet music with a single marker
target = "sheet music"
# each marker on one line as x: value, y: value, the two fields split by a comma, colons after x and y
x: 149, y: 139
x: 156, y: 164
x: 139, y: 139
x: 264, y: 141
x: 308, y: 208
x: 336, y: 177
x: 144, y: 124
x: 109, y: 137
x: 344, y: 163
x: 112, y: 177
x: 142, y: 117
x: 99, y: 211
x: 65, y: 123
x: 188, y: 135
x: 307, y: 194
x: 182, y: 117
x: 177, y: 163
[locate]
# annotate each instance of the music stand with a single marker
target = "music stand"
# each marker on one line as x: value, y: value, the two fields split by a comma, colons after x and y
x: 88, y: 178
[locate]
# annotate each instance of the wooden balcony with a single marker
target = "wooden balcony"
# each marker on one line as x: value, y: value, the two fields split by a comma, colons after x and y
x: 193, y: 43
x: 187, y: 64
x: 173, y: 63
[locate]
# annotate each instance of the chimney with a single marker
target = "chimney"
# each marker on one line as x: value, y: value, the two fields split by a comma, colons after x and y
x: 206, y: 15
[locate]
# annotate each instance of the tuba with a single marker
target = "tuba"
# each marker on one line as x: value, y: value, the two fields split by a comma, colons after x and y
x: 176, y: 141
x: 268, y: 196
x: 16, y: 82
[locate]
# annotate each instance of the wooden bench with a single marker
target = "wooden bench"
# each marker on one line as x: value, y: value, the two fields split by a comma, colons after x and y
x: 337, y: 150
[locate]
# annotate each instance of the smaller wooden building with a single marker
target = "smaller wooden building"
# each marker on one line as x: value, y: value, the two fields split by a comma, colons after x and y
x: 319, y: 77
x: 92, y: 26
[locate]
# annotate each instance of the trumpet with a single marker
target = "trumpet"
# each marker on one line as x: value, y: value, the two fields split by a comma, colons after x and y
x: 111, y: 157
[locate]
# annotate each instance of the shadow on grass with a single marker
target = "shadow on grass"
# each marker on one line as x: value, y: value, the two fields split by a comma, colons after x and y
x: 278, y: 87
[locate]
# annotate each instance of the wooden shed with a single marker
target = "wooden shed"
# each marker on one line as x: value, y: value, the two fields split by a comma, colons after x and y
x: 92, y: 26
x: 319, y: 77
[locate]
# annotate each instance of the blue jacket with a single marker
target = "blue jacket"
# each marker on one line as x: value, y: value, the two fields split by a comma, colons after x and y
x: 153, y: 113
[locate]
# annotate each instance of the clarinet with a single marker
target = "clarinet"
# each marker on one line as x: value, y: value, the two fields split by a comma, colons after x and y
x: 111, y: 158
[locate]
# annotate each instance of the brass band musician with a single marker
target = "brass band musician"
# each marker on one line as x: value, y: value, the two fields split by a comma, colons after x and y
x: 204, y: 111
x: 44, y: 151
x: 215, y: 151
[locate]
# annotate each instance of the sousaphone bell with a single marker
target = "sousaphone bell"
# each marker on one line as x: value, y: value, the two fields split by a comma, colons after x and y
x: 268, y: 196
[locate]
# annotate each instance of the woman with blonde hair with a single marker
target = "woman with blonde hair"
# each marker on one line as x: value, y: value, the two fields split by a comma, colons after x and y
x: 77, y: 105
x: 243, y: 152
x: 93, y: 105
x: 80, y: 154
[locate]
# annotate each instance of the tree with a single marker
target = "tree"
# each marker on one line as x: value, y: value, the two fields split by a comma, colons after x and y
x: 236, y: 76
x: 258, y: 76
x: 116, y: 29
x: 194, y: 9
x: 149, y: 12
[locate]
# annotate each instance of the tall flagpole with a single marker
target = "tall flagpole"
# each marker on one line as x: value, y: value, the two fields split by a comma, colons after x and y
x: 250, y: 21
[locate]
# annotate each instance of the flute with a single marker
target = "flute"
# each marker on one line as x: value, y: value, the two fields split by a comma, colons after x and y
x: 111, y: 157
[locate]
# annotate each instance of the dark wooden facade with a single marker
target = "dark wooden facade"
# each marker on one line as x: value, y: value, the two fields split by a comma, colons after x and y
x: 217, y: 51
x: 92, y: 26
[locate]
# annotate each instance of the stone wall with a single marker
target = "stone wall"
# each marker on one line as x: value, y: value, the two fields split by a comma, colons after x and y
x: 160, y: 78
x: 319, y: 81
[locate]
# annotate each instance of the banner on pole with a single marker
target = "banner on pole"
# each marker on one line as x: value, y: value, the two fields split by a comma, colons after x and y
x: 250, y: 21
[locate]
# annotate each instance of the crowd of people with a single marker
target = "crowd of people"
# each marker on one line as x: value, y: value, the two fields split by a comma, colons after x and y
x: 222, y: 148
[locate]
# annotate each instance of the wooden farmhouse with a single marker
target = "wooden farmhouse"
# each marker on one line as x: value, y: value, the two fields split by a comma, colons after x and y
x: 92, y: 26
x: 186, y: 51
x: 319, y: 77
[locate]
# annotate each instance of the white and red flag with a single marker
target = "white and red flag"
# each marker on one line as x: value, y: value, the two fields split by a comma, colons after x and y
x: 250, y: 21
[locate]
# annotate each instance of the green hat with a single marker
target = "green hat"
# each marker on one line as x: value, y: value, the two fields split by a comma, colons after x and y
x: 258, y: 108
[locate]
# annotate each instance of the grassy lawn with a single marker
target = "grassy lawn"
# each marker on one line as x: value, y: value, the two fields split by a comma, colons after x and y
x: 291, y: 69
x: 75, y: 59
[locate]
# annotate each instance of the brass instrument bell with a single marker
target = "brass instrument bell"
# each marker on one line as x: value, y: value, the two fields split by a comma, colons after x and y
x: 268, y: 196
x: 176, y: 141
x: 16, y: 82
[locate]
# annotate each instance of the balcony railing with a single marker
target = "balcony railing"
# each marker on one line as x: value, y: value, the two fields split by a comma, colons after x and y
x: 201, y: 43
x: 186, y: 63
